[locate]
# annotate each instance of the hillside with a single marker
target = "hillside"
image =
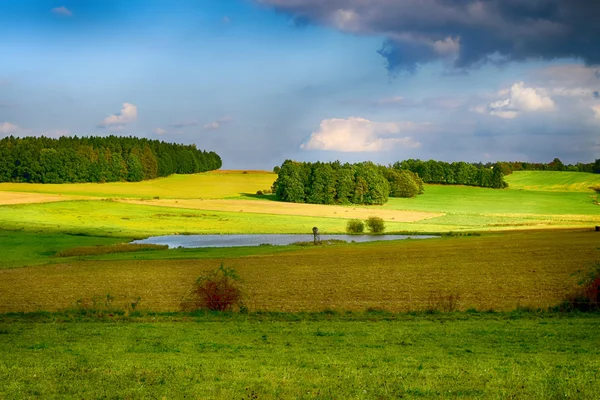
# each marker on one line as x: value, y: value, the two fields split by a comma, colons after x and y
x: 552, y: 181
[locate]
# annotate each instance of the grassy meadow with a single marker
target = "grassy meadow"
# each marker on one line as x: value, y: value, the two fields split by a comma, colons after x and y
x: 209, y: 185
x: 337, y: 321
x: 327, y: 356
x: 553, y: 181
x: 225, y: 202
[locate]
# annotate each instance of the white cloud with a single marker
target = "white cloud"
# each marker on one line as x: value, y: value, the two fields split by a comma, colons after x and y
x: 596, y: 110
x: 7, y: 128
x: 521, y: 99
x: 359, y: 135
x: 116, y: 121
x: 159, y: 131
x: 62, y: 10
x: 217, y: 124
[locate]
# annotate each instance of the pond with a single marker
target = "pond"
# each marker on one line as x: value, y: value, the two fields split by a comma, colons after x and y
x: 196, y: 241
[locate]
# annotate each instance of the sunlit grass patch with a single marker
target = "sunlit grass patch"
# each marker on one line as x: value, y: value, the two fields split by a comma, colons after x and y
x: 203, y: 185
x: 553, y: 181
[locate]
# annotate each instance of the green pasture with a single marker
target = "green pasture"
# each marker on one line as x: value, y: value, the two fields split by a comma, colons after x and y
x: 20, y: 249
x: 466, y: 208
x: 476, y: 201
x: 108, y: 218
x: 319, y: 356
x: 215, y: 184
x: 553, y: 181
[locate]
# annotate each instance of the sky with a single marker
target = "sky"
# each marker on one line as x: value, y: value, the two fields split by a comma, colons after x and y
x: 261, y: 81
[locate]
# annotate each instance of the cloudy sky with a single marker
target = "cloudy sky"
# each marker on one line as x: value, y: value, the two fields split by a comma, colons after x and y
x: 260, y: 81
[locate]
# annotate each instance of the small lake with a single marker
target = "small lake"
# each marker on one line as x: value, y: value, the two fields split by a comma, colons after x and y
x: 197, y: 241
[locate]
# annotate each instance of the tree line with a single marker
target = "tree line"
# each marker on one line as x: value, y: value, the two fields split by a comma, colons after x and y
x: 509, y: 167
x: 337, y: 183
x: 98, y: 159
x: 456, y: 173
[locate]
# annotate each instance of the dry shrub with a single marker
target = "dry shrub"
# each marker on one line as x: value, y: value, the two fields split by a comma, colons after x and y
x: 218, y: 290
x: 103, y: 306
x: 441, y: 302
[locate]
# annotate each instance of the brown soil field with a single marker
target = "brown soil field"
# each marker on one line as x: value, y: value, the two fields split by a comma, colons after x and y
x: 495, y: 271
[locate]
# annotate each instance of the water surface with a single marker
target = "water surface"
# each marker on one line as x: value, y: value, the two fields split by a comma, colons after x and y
x: 197, y: 241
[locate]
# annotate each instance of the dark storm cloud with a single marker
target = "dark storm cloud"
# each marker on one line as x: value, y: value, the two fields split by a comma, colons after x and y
x: 470, y: 32
x: 597, y: 95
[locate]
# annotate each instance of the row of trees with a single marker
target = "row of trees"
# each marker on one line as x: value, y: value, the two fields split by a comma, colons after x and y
x: 555, y: 165
x: 456, y: 173
x: 336, y: 183
x: 98, y: 159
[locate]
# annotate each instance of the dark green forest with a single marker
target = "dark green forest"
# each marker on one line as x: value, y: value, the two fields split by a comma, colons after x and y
x: 555, y: 165
x: 98, y: 159
x: 456, y: 173
x: 337, y: 183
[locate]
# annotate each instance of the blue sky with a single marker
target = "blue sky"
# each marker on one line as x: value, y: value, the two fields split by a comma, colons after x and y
x: 260, y: 81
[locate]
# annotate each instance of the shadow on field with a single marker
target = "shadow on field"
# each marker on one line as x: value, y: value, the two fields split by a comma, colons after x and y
x: 270, y: 197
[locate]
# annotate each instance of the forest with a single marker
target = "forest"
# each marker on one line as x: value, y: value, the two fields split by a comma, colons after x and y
x: 337, y: 183
x: 98, y: 159
x: 456, y: 173
x: 369, y: 183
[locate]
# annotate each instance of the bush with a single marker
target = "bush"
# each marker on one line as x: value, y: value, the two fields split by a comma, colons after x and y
x: 405, y: 184
x: 218, y: 290
x: 375, y: 225
x: 355, y: 226
x: 587, y: 296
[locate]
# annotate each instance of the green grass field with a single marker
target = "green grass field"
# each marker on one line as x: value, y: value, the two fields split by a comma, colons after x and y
x: 341, y: 350
x: 366, y: 356
x: 551, y: 181
x: 463, y: 208
x: 215, y: 184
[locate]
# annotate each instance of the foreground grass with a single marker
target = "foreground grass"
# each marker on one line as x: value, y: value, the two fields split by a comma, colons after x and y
x: 494, y: 271
x: 538, y: 356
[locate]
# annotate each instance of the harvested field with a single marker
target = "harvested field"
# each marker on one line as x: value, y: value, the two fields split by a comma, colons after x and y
x: 500, y: 272
x: 7, y: 198
x: 281, y: 208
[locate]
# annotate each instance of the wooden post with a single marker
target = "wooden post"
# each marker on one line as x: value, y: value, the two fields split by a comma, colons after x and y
x: 316, y: 235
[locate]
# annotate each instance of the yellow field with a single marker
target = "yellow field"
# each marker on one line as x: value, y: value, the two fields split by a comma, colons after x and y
x: 497, y: 272
x: 280, y: 208
x: 215, y: 184
x: 29, y: 198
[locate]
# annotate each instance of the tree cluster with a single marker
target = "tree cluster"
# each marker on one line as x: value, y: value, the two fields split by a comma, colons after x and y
x: 336, y: 183
x: 98, y: 159
x: 456, y: 173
